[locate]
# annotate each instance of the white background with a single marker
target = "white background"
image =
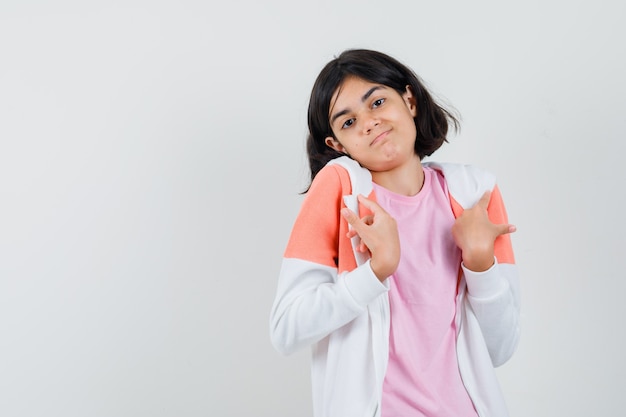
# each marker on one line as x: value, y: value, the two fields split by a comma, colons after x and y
x: 151, y: 156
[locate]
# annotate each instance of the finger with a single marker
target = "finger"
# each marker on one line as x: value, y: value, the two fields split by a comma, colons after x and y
x: 356, y: 224
x: 373, y: 206
x: 484, y: 200
x: 350, y: 216
x: 368, y: 220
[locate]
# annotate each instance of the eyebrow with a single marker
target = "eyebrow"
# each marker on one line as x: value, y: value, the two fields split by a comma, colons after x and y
x: 365, y: 97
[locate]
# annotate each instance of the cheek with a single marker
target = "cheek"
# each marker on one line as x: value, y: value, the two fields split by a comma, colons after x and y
x: 353, y: 146
x: 411, y: 128
x: 347, y: 141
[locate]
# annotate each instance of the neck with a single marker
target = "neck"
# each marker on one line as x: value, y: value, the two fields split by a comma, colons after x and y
x: 406, y: 179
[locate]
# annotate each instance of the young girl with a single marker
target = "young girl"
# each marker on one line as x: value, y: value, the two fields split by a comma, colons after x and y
x: 399, y: 274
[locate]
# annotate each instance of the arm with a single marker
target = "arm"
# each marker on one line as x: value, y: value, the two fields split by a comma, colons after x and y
x: 313, y: 299
x: 494, y: 298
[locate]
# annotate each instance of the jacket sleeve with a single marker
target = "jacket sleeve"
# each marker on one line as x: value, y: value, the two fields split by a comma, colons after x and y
x: 312, y: 298
x: 494, y: 295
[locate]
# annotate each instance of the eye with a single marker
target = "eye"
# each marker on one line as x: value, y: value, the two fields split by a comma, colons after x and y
x: 378, y: 102
x: 347, y: 123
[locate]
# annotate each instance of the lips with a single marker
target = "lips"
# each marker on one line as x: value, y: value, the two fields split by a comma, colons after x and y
x: 379, y: 138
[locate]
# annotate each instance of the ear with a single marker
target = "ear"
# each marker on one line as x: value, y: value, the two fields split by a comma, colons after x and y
x: 409, y: 99
x: 333, y: 143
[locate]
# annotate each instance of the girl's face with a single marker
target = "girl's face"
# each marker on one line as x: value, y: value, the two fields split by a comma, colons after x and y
x: 373, y: 124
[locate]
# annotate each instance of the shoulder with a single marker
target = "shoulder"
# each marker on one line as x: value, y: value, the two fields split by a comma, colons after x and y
x: 325, y: 194
x: 314, y: 233
x: 360, y: 178
x: 331, y: 178
x: 466, y: 183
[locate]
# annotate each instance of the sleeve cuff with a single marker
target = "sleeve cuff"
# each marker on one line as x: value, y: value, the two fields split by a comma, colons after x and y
x: 364, y: 285
x: 486, y: 284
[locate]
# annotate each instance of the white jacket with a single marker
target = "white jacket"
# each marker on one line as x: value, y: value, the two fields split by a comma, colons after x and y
x: 330, y: 299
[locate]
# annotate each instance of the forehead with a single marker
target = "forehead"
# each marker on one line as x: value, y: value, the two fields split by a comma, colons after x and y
x: 352, y: 86
x: 351, y: 92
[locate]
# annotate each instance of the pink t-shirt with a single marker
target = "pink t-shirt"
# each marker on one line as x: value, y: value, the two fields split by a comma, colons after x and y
x: 423, y: 377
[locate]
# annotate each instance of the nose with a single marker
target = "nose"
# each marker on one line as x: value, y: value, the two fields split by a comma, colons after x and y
x: 370, y: 122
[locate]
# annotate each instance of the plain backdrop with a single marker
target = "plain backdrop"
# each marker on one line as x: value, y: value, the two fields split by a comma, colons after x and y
x: 151, y: 159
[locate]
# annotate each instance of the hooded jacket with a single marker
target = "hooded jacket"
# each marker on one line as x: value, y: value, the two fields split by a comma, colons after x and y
x: 329, y: 298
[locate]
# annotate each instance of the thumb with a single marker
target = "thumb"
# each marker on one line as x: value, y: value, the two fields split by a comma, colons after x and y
x: 503, y: 229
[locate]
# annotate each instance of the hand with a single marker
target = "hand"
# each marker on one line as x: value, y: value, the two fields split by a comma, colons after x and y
x: 379, y: 234
x: 475, y: 235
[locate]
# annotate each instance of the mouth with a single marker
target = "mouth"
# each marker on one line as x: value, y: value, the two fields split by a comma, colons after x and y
x: 379, y: 138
